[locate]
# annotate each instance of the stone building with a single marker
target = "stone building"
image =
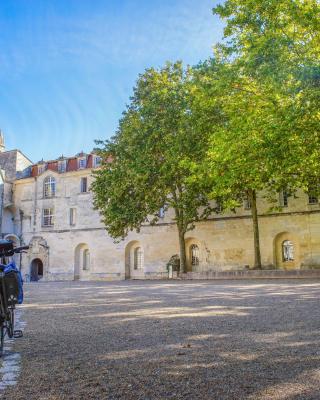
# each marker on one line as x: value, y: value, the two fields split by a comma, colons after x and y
x: 13, y: 165
x: 48, y: 205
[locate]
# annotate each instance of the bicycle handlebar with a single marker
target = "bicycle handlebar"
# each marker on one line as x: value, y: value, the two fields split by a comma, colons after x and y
x: 20, y: 249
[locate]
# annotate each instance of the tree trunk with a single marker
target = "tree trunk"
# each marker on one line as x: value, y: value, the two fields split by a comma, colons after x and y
x: 182, y: 245
x: 256, y: 239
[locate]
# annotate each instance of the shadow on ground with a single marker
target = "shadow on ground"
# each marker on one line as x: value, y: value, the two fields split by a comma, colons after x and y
x: 170, y: 340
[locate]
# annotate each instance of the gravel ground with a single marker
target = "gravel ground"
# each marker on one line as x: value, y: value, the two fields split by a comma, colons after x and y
x: 169, y: 340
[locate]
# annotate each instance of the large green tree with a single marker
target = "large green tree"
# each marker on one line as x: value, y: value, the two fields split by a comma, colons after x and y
x: 276, y: 44
x: 157, y: 138
x: 240, y: 159
x: 269, y: 96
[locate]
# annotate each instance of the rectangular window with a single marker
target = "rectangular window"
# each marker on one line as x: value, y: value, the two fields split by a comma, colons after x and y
x: 49, y: 187
x: 283, y: 198
x: 287, y: 251
x: 47, y: 217
x: 84, y: 185
x: 218, y: 208
x: 312, y: 194
x: 247, y: 204
x: 313, y: 199
x: 161, y: 212
x: 73, y: 216
x: 82, y: 163
x: 86, y: 260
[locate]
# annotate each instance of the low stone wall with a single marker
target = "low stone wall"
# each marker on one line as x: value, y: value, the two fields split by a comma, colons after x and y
x: 204, y: 275
x: 58, y: 276
x: 253, y: 274
x: 158, y: 275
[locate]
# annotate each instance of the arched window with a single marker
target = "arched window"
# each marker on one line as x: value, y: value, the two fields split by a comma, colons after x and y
x: 194, y: 255
x: 49, y: 187
x: 86, y: 259
x: 287, y: 251
x: 138, y: 258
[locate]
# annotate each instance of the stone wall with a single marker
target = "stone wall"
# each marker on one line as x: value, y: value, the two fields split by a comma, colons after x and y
x: 13, y: 162
x: 256, y: 274
x: 225, y: 242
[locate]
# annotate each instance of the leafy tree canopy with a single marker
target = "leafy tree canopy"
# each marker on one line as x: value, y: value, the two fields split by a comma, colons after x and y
x: 157, y: 138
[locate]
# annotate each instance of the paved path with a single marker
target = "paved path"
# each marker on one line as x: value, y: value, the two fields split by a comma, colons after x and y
x: 161, y: 340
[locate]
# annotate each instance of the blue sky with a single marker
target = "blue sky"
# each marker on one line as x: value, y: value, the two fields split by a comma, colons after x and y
x: 67, y: 67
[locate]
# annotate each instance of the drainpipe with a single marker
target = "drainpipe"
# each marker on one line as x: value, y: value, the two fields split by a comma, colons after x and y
x: 1, y: 200
x: 35, y: 205
x: 21, y: 236
x: 1, y: 209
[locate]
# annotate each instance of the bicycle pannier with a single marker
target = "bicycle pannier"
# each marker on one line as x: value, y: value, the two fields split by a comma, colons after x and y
x: 12, y: 286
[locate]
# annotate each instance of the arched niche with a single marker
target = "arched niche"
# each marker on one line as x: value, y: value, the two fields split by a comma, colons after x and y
x: 194, y: 254
x: 82, y: 261
x: 287, y: 251
x: 134, y: 260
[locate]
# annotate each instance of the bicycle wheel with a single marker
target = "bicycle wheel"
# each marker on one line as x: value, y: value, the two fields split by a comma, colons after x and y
x: 10, y: 323
x: 2, y: 333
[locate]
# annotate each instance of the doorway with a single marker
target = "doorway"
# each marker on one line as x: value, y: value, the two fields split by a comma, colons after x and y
x: 36, y: 270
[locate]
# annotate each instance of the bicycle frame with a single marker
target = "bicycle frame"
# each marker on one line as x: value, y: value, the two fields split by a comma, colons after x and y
x: 3, y: 291
x: 7, y: 305
x: 3, y: 298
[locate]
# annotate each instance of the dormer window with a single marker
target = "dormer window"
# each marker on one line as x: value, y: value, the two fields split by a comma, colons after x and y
x: 41, y: 169
x: 62, y: 166
x: 82, y: 163
x: 97, y: 161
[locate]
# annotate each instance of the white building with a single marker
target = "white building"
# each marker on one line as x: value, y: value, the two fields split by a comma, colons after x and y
x: 48, y: 205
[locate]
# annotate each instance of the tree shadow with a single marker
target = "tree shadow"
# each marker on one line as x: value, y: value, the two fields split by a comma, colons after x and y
x: 172, y: 340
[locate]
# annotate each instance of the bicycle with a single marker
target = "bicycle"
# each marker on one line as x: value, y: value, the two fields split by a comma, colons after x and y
x: 10, y: 291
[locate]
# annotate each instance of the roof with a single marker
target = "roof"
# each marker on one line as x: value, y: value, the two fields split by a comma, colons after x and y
x: 71, y: 164
x: 16, y: 151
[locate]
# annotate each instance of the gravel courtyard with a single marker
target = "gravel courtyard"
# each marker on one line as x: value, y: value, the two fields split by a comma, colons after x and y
x: 169, y: 340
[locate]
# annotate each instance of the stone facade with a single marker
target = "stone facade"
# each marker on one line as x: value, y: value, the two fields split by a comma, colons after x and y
x: 13, y: 164
x: 75, y: 245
